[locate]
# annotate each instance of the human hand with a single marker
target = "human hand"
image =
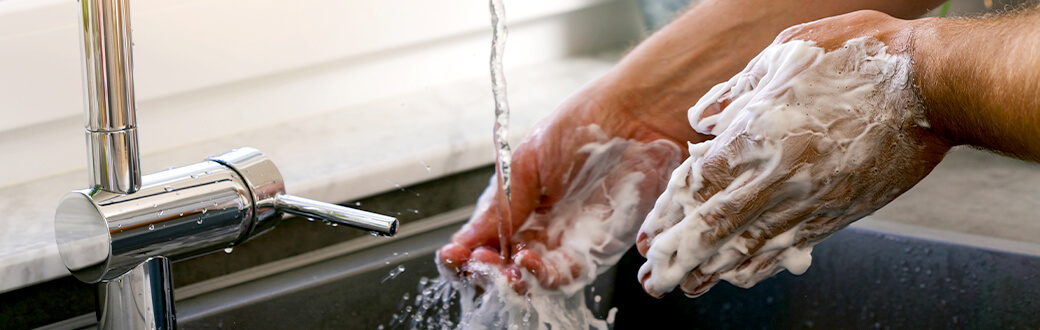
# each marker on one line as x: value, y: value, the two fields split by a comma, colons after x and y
x: 582, y: 182
x: 820, y: 130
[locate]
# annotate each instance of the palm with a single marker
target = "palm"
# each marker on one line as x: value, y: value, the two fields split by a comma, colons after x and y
x: 579, y: 193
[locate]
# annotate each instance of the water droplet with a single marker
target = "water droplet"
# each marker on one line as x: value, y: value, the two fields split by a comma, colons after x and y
x: 426, y: 165
x: 119, y: 226
x: 182, y: 214
x: 393, y: 273
x: 373, y: 233
x: 195, y: 176
x: 597, y: 299
x: 229, y: 249
x: 357, y: 203
x: 155, y: 205
x: 151, y: 227
x: 310, y: 219
x: 424, y: 280
x: 204, y: 211
x: 161, y: 212
x: 168, y: 188
x: 198, y: 221
x: 335, y: 224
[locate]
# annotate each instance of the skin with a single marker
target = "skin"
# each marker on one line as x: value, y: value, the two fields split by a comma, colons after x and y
x: 645, y: 98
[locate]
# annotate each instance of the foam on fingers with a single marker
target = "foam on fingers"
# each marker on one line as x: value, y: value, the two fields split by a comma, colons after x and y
x: 809, y: 126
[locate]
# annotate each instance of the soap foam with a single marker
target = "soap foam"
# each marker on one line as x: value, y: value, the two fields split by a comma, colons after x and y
x: 804, y: 122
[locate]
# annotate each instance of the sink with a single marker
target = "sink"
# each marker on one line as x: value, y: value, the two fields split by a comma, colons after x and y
x: 862, y: 277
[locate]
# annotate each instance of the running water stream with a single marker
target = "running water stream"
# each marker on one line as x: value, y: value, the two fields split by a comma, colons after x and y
x: 503, y: 154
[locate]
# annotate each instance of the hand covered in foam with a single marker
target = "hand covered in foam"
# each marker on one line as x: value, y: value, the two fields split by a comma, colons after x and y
x: 581, y: 184
x: 811, y: 136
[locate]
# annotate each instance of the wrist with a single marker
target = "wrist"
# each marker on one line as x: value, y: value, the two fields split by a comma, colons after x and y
x: 929, y: 56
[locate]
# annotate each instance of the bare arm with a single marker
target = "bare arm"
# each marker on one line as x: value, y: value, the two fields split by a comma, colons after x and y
x: 979, y: 80
x: 708, y: 44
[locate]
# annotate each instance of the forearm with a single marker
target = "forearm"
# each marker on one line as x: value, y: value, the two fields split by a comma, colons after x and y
x: 979, y: 80
x: 711, y: 42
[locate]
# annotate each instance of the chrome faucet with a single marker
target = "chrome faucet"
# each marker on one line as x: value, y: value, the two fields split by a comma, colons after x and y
x: 123, y: 231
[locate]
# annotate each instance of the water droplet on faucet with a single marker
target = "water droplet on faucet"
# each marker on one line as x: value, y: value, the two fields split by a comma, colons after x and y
x: 199, y: 221
x: 168, y: 188
x: 151, y: 227
x: 229, y: 249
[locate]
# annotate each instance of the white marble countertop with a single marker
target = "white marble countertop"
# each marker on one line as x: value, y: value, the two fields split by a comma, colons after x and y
x: 337, y: 156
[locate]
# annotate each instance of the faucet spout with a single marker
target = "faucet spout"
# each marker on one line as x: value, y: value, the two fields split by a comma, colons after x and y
x: 111, y: 123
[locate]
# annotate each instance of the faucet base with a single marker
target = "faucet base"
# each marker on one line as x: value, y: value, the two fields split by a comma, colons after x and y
x: 140, y: 299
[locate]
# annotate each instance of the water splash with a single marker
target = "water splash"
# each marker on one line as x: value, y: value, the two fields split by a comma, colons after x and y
x: 448, y: 304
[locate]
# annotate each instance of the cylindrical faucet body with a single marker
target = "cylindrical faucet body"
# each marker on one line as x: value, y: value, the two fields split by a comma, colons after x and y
x: 184, y: 212
x: 178, y: 213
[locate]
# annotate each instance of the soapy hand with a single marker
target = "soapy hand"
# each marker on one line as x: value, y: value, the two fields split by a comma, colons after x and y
x: 820, y: 130
x: 582, y: 182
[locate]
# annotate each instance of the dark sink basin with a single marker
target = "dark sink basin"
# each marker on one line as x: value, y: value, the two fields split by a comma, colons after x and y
x: 860, y: 278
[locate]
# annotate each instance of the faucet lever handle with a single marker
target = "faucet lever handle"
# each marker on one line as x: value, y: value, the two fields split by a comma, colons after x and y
x: 373, y: 222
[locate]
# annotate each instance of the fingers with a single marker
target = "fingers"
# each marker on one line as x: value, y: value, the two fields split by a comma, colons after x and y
x: 708, y: 230
x: 555, y: 270
x: 696, y: 283
x: 677, y: 199
x: 452, y: 256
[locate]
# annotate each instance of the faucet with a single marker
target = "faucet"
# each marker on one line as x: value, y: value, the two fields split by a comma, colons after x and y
x: 124, y: 229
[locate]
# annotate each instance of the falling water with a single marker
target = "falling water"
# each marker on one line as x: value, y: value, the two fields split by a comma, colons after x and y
x: 504, y: 155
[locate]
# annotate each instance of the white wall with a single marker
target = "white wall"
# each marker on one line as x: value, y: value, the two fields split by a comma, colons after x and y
x: 208, y: 68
